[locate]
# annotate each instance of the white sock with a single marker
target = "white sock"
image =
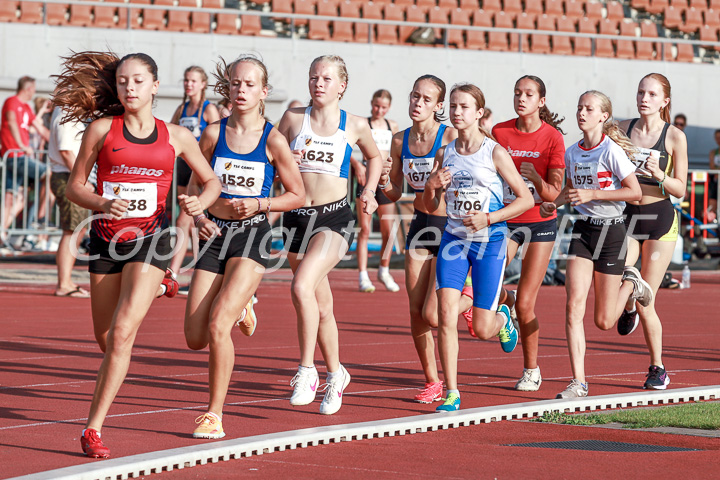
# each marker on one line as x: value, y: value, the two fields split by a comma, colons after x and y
x: 219, y: 417
x: 383, y: 271
x: 457, y: 392
x: 302, y: 368
x: 163, y: 290
x: 536, y: 369
x: 331, y: 375
x: 364, y: 276
x: 85, y: 429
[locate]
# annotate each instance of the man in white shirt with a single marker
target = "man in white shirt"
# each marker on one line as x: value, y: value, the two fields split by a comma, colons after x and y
x: 65, y: 140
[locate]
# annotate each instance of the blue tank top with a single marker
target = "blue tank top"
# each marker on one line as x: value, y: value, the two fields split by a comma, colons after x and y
x: 243, y: 175
x: 196, y: 124
x: 417, y: 169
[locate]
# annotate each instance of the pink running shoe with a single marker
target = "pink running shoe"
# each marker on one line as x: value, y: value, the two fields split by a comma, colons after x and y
x: 431, y: 393
x: 467, y: 314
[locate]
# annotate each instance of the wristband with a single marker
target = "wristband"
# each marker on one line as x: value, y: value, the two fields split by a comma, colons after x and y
x: 385, y: 185
x: 487, y: 214
x: 661, y: 183
x: 259, y: 205
x: 368, y: 190
x: 269, y: 202
x: 197, y: 218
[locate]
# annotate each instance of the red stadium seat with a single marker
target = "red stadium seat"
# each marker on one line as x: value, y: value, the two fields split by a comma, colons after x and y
x: 540, y: 43
x: 250, y: 25
x: 9, y: 11
x: 640, y: 4
x: 342, y: 32
x: 609, y: 27
x: 680, y: 4
x: 412, y: 14
x: 282, y: 7
x: 699, y: 4
x: 615, y: 11
x: 491, y: 6
x: 709, y: 34
x: 646, y: 50
x: 80, y: 15
x: 425, y: 4
x: 672, y: 18
x: 438, y: 15
x: 447, y: 4
x: 554, y: 8
x: 303, y: 7
x: 388, y: 34
x: 583, y: 46
x: 179, y: 21
x: 455, y: 38
x: 226, y: 23
x: 574, y: 9
x: 533, y: 7
x: 105, y: 17
x: 317, y: 29
x: 498, y: 41
x: 593, y: 10
x: 657, y: 6
x: 404, y: 3
x: 561, y: 45
x: 512, y: 7
x: 693, y: 21
x: 684, y: 53
x: 469, y: 5
x: 154, y: 19
x: 55, y: 13
x: 711, y: 18
x: 714, y: 5
x: 626, y: 48
x: 474, y: 39
x: 524, y: 22
x: 328, y: 8
x: 603, y: 46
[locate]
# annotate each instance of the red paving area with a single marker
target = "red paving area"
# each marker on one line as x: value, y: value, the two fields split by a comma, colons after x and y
x: 49, y: 361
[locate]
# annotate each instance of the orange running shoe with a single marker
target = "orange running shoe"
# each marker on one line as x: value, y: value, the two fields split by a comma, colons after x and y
x: 431, y: 393
x: 467, y: 314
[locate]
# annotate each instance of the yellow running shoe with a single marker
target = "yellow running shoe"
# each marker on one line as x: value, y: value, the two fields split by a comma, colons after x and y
x: 209, y: 426
x: 248, y: 320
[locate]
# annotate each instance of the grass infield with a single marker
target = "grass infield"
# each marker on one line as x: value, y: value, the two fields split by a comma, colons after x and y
x: 701, y: 415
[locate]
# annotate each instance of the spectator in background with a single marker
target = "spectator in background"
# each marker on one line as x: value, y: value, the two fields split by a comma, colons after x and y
x: 223, y: 107
x: 680, y: 121
x: 43, y: 111
x: 17, y: 117
x: 63, y: 148
x: 486, y: 121
x: 714, y: 162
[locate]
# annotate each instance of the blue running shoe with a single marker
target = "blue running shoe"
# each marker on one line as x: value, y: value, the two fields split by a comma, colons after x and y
x: 508, y: 335
x: 451, y: 403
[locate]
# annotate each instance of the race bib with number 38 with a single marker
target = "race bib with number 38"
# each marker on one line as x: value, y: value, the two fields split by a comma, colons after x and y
x: 142, y: 197
x: 240, y: 177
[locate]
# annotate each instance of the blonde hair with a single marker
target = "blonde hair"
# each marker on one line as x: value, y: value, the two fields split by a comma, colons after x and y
x: 665, y: 83
x: 611, y: 127
x: 339, y: 64
x: 204, y: 78
x: 382, y: 93
x: 223, y: 73
x: 479, y: 98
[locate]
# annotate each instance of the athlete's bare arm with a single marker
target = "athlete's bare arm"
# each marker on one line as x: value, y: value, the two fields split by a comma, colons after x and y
x: 523, y: 198
x: 437, y: 181
x: 287, y: 169
x: 394, y: 177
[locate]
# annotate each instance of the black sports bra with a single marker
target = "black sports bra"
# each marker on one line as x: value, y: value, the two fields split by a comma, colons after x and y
x: 640, y: 158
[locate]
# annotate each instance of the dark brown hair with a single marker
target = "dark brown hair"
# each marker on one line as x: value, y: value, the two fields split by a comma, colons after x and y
x: 546, y: 115
x: 86, y: 88
x: 23, y: 81
x: 439, y: 116
x: 223, y: 73
x: 479, y: 97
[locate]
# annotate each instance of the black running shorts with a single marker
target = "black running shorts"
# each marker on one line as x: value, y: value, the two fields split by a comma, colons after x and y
x: 602, y: 241
x: 248, y: 238
x: 302, y: 224
x: 110, y: 257
x: 425, y: 231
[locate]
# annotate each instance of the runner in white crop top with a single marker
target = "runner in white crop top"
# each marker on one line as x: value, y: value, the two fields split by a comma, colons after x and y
x: 321, y: 137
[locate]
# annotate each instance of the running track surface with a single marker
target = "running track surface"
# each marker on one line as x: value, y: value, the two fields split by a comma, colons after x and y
x: 50, y: 359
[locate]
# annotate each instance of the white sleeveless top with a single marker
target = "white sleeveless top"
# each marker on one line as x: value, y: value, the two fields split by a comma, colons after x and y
x: 382, y: 136
x: 475, y: 185
x: 325, y: 155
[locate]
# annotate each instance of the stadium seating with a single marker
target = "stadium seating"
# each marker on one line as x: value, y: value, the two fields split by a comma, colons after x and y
x: 9, y: 11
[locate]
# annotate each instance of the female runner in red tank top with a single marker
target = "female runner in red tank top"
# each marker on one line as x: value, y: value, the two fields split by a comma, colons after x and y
x: 412, y: 156
x: 534, y: 141
x: 134, y: 153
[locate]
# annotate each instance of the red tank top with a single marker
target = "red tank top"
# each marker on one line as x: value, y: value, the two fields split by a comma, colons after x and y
x: 139, y: 171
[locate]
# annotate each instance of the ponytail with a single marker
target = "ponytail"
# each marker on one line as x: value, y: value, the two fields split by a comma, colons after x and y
x: 552, y: 119
x: 612, y: 129
x: 86, y: 88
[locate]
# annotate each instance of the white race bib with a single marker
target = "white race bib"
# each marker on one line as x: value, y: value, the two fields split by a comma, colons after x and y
x: 417, y: 171
x: 640, y: 159
x: 509, y: 195
x: 192, y: 124
x: 141, y: 196
x: 240, y: 177
x: 383, y: 139
x: 462, y: 200
x: 585, y: 176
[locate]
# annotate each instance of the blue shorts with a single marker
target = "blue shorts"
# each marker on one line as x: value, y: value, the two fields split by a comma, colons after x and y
x: 487, y: 260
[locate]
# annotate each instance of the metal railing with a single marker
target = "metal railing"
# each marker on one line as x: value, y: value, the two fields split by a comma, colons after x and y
x: 292, y: 17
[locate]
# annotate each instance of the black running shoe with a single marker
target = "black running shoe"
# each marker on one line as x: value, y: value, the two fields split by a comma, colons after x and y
x: 628, y: 322
x: 657, y: 379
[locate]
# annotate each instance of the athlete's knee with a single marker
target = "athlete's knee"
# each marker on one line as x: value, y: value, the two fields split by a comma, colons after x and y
x: 195, y: 340
x: 430, y: 316
x: 120, y: 338
x: 604, y: 321
x: 525, y: 310
x: 300, y: 292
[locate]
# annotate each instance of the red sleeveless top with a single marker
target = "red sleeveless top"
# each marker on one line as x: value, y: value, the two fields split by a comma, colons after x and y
x: 139, y: 171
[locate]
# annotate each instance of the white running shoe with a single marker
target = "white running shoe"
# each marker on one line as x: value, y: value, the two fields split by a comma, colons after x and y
x: 333, y: 392
x: 387, y: 280
x: 530, y: 381
x: 366, y: 286
x: 642, y: 292
x: 306, y: 382
x: 574, y: 389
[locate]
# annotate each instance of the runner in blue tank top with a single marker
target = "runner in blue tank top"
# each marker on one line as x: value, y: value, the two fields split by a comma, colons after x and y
x: 413, y: 154
x: 469, y: 174
x: 244, y: 151
x: 194, y: 113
